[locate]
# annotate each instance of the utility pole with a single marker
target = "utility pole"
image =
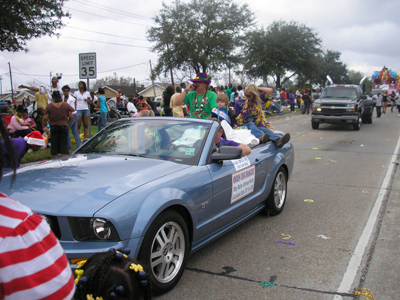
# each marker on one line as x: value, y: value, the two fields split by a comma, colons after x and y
x: 152, y: 80
x: 1, y: 85
x: 50, y: 78
x: 134, y: 88
x: 90, y: 114
x: 12, y: 89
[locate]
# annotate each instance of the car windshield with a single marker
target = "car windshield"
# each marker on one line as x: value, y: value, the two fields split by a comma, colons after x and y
x: 179, y: 141
x: 339, y: 93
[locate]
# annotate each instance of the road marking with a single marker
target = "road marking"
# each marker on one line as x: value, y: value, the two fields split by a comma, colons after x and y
x: 355, y: 261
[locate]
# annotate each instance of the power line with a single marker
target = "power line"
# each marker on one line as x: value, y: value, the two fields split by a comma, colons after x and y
x: 92, y: 14
x: 113, y: 10
x: 29, y: 75
x: 145, y: 63
x: 125, y: 37
x: 67, y: 37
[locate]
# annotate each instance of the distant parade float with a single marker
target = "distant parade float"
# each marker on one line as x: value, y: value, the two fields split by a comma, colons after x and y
x: 385, y: 80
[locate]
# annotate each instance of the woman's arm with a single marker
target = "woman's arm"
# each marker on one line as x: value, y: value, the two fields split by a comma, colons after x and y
x: 266, y: 90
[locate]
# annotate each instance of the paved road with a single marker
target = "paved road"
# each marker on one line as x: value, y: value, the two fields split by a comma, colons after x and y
x: 345, y: 172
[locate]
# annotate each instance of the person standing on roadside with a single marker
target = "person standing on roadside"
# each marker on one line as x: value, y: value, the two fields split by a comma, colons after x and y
x: 101, y: 103
x: 200, y: 100
x: 167, y: 99
x: 83, y: 99
x: 45, y: 89
x: 229, y: 90
x: 393, y: 98
x: 283, y: 97
x: 240, y: 92
x: 58, y: 113
x: 40, y: 101
x: 385, y: 101
x: 378, y: 106
x: 307, y: 102
x: 73, y: 124
x: 298, y: 97
x: 291, y: 101
x: 177, y: 111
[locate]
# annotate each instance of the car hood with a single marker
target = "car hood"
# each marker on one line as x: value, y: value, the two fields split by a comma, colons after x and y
x: 82, y: 184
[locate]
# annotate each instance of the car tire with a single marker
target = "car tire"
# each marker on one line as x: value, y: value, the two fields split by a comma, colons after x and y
x: 277, y: 197
x: 314, y: 125
x: 356, y: 126
x: 166, y: 261
x: 369, y: 118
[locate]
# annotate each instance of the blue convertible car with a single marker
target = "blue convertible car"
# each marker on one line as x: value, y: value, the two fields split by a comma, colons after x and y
x: 158, y: 186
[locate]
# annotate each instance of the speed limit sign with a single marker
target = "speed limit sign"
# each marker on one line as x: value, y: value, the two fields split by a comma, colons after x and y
x: 87, y: 66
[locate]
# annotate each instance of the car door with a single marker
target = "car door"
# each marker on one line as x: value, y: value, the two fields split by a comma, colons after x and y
x: 237, y: 186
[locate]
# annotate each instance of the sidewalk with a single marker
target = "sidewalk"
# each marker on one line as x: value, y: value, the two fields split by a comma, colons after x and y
x: 383, y: 275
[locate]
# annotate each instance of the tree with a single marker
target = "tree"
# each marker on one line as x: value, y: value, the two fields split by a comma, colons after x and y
x: 23, y: 20
x: 355, y: 78
x: 199, y: 35
x: 283, y: 50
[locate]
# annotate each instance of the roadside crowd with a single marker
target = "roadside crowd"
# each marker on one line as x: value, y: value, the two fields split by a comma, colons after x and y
x: 382, y: 101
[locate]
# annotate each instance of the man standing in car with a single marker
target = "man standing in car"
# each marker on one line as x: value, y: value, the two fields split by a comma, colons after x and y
x: 201, y: 100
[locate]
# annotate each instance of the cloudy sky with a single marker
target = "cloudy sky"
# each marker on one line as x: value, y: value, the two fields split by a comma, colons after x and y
x: 366, y: 32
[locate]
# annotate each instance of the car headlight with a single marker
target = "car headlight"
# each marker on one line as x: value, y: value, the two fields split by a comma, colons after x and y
x: 316, y: 107
x: 351, y: 107
x: 92, y: 229
x: 101, y: 228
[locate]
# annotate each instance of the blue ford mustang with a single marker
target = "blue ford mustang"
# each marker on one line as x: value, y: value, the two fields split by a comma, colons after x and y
x: 155, y: 185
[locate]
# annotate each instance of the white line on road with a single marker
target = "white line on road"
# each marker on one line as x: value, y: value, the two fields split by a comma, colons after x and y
x: 355, y: 261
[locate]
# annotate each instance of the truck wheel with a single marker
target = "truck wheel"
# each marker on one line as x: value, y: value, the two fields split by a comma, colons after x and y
x: 369, y: 118
x: 356, y: 126
x: 314, y: 125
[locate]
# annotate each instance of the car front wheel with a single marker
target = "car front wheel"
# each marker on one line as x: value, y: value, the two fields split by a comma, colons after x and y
x: 165, y: 250
x: 277, y: 197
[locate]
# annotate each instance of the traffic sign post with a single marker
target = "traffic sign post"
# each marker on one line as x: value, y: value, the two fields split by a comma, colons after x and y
x: 87, y: 66
x: 88, y: 70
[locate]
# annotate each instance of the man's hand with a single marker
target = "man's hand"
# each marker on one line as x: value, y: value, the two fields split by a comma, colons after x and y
x: 21, y: 86
x: 191, y: 87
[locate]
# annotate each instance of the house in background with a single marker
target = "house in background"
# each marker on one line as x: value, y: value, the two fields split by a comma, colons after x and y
x: 25, y: 94
x: 127, y: 91
x: 18, y: 96
x: 148, y: 92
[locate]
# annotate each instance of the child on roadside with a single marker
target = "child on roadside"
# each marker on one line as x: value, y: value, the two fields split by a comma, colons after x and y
x: 112, y: 275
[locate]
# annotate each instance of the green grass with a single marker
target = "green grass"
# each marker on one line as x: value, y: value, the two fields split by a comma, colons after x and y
x: 44, y: 154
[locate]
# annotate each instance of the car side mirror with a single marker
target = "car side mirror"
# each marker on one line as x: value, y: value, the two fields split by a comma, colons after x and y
x: 363, y: 97
x: 227, y: 153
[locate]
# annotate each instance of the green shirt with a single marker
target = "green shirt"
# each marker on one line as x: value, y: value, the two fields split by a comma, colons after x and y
x: 210, y: 101
x: 229, y: 92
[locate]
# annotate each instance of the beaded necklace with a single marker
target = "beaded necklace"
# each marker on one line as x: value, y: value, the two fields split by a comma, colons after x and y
x: 198, y: 112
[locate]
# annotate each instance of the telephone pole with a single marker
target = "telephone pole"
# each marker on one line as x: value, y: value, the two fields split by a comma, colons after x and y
x: 12, y: 89
x: 152, y: 80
